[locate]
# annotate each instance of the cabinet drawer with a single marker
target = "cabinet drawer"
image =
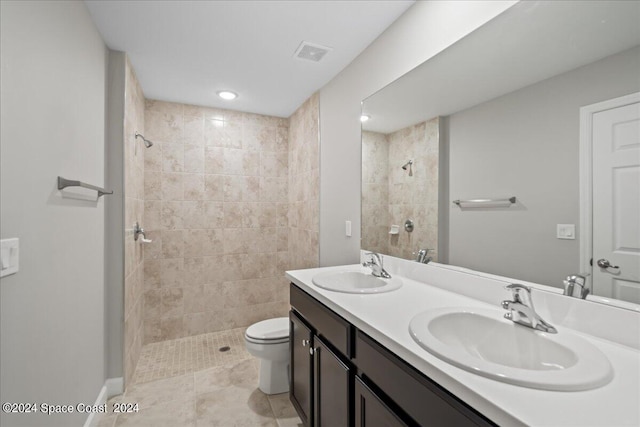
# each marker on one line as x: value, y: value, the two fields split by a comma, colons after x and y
x: 328, y: 324
x: 421, y: 398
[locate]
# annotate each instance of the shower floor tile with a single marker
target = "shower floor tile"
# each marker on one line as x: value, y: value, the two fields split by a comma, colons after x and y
x: 189, y: 382
x: 184, y: 355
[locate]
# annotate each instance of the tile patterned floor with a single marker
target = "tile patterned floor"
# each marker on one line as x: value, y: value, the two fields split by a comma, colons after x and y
x: 189, y: 382
x: 180, y: 356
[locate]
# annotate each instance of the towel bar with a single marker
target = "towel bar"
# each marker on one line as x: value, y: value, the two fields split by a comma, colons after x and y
x: 485, y: 203
x: 64, y: 183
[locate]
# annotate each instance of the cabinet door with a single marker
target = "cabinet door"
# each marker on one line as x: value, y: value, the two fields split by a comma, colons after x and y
x: 301, y: 381
x: 371, y: 411
x: 331, y: 388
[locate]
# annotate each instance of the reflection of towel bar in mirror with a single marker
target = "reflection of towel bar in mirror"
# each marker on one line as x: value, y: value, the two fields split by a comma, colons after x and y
x: 64, y: 183
x: 486, y: 203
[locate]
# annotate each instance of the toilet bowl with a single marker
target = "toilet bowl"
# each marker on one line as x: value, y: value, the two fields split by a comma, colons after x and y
x: 269, y: 341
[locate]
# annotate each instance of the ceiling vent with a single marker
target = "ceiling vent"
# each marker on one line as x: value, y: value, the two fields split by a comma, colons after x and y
x: 311, y: 52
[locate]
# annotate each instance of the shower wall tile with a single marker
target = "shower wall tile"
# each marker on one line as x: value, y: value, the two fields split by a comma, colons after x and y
x: 302, y: 170
x: 135, y: 162
x: 414, y: 197
x: 216, y: 197
x: 375, y: 192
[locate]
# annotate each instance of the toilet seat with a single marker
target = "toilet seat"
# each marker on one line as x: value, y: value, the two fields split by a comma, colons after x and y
x: 271, y: 331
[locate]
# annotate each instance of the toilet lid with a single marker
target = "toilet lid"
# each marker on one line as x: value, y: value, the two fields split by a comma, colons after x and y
x: 271, y: 329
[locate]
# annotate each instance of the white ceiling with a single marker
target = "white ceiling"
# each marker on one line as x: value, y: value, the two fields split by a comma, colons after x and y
x: 185, y: 51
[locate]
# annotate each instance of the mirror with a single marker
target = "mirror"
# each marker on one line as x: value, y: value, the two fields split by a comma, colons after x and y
x: 498, y: 115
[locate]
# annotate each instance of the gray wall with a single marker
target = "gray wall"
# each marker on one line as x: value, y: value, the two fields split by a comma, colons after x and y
x: 52, y: 347
x: 114, y: 216
x: 425, y: 29
x: 526, y: 144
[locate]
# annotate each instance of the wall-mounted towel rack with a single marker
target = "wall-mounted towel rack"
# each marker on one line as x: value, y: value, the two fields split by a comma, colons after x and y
x: 64, y: 183
x: 486, y: 203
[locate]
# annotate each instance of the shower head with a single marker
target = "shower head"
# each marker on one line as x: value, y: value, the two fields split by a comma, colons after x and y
x: 147, y: 143
x: 409, y: 163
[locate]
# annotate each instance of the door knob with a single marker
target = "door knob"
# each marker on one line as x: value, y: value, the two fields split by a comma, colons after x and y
x: 603, y: 263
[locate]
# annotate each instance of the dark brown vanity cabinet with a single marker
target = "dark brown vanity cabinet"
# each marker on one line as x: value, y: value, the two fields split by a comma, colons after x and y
x: 320, y: 376
x: 301, y: 374
x: 370, y: 409
x: 342, y: 377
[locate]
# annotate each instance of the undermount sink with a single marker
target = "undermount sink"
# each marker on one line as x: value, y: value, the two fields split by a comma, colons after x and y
x: 355, y: 282
x: 483, y: 342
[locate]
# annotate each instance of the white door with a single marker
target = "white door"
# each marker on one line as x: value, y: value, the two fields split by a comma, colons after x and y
x: 616, y: 201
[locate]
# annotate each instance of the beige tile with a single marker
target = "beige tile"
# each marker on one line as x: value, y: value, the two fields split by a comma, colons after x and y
x: 234, y: 407
x: 214, y: 215
x: 152, y: 215
x: 194, y: 214
x: 166, y: 359
x: 194, y: 157
x: 172, y: 158
x: 172, y: 273
x: 282, y: 406
x: 172, y: 187
x: 164, y: 126
x: 153, y: 304
x: 233, y: 215
x: 172, y: 302
x: 152, y: 331
x: 213, y: 242
x: 171, y: 327
x: 194, y: 269
x: 163, y: 107
x: 195, y: 324
x: 243, y: 375
x: 152, y: 156
x: 214, y: 160
x: 152, y: 185
x: 172, y: 243
x: 214, y: 187
x: 240, y: 162
x: 193, y: 300
x: 193, y: 125
x: 194, y: 243
x: 194, y: 186
x: 153, y: 250
x: 171, y: 215
x: 105, y: 421
x: 180, y: 412
x: 213, y: 132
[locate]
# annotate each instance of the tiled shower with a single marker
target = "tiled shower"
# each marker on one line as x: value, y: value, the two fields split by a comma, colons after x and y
x: 230, y: 202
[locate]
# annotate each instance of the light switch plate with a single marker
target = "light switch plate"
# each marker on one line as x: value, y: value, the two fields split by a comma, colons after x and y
x: 9, y: 261
x: 566, y: 231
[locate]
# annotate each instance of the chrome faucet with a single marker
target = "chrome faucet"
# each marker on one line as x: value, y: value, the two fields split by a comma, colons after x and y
x: 375, y: 264
x: 576, y: 286
x: 421, y: 256
x: 521, y: 309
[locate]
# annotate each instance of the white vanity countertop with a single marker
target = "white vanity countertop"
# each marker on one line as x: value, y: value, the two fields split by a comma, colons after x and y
x: 386, y: 316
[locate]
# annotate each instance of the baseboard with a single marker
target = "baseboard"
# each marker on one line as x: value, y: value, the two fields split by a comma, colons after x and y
x: 112, y: 387
x: 115, y: 386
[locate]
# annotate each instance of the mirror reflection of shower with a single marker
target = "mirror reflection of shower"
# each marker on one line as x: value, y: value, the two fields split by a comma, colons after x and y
x: 408, y: 165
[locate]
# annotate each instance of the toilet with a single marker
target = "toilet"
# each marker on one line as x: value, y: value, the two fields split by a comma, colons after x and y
x: 269, y: 341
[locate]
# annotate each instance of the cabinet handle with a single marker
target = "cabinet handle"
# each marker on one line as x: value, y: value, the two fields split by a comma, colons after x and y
x: 311, y: 351
x: 305, y: 342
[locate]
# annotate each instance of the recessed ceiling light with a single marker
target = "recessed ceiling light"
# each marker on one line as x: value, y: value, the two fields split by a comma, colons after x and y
x: 227, y: 94
x: 364, y: 118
